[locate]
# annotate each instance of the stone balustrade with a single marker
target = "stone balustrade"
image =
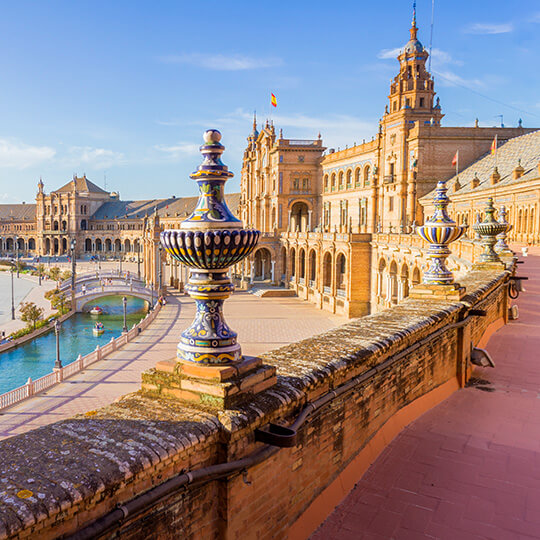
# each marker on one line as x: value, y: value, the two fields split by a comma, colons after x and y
x: 345, y: 393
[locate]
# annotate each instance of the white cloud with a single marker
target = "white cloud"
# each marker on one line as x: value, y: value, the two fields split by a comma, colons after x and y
x: 179, y: 150
x: 17, y: 155
x: 449, y: 78
x: 487, y: 28
x: 98, y: 158
x: 386, y: 54
x: 222, y: 62
x: 535, y: 18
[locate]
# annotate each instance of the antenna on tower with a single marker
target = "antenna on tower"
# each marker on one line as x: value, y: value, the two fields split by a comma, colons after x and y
x: 431, y: 33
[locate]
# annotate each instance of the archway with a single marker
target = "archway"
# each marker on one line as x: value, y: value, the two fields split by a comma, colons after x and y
x: 284, y: 263
x: 416, y: 276
x: 9, y: 244
x: 312, y: 267
x: 341, y: 272
x: 64, y: 225
x: 327, y: 272
x: 20, y: 244
x: 31, y: 244
x: 108, y: 244
x: 127, y: 246
x: 302, y: 261
x: 99, y: 245
x: 404, y: 282
x: 299, y: 217
x: 88, y: 245
x: 55, y: 246
x: 263, y: 264
x: 47, y: 246
x: 380, y: 278
x: 118, y: 246
x: 64, y: 245
x: 292, y: 259
x: 55, y: 225
x: 393, y: 283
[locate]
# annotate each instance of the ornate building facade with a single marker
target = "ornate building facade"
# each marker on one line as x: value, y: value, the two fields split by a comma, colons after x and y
x: 321, y: 239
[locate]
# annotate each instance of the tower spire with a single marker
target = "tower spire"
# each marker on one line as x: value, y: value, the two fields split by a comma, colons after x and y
x: 254, y: 121
x: 414, y: 29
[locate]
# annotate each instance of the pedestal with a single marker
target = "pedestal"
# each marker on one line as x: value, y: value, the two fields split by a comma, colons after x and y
x: 453, y: 291
x: 216, y: 387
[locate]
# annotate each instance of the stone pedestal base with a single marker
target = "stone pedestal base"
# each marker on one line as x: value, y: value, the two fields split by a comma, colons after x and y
x: 454, y: 291
x: 494, y: 265
x: 221, y: 387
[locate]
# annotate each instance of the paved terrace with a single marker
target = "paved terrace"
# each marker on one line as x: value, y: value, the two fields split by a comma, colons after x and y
x: 262, y: 324
x: 469, y: 468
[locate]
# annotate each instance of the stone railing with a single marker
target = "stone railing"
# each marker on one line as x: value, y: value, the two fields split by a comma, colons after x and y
x: 82, y: 362
x: 339, y: 399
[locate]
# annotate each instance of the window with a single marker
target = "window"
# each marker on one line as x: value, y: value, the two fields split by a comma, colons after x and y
x: 326, y: 182
x: 391, y: 204
x: 301, y: 159
x: 349, y: 179
x: 281, y: 182
x: 394, y: 106
x: 296, y: 183
x: 407, y: 103
x: 281, y: 159
x: 341, y: 180
x: 366, y: 176
x: 305, y: 184
x: 421, y: 102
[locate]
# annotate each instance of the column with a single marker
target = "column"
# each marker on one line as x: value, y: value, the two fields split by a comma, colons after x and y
x: 310, y: 213
x: 289, y: 221
x: 273, y: 272
x: 262, y: 268
x: 251, y: 271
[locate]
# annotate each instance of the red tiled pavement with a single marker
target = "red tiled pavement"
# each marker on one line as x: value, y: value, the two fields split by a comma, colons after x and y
x: 470, y: 467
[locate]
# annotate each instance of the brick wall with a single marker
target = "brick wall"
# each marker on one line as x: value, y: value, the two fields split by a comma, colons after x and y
x: 59, y: 478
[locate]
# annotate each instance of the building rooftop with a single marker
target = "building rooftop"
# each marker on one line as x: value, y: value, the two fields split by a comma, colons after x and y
x: 180, y: 207
x: 82, y: 185
x: 523, y: 150
x: 17, y: 211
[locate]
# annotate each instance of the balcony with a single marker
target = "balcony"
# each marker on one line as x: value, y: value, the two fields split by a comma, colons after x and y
x: 342, y: 293
x: 327, y: 290
x: 388, y: 179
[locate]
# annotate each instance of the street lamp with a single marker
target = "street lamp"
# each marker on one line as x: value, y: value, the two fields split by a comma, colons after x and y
x: 17, y: 255
x: 139, y: 260
x: 58, y: 362
x: 160, y: 268
x: 73, y: 244
x: 12, y: 297
x: 124, y: 302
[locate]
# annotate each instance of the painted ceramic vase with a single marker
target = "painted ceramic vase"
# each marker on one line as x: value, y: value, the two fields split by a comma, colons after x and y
x: 439, y: 232
x: 488, y: 231
x: 209, y: 241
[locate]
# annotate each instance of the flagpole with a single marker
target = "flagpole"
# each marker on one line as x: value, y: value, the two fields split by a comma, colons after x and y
x: 457, y: 163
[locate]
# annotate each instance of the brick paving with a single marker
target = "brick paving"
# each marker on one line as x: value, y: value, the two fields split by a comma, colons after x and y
x: 470, y: 467
x: 262, y: 324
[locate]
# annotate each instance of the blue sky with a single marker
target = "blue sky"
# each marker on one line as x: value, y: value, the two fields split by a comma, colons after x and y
x: 124, y: 89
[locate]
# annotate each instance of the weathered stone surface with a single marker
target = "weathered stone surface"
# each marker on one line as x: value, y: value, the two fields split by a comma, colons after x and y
x: 79, y: 469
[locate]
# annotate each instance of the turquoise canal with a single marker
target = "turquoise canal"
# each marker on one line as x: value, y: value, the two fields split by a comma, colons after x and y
x: 36, y: 358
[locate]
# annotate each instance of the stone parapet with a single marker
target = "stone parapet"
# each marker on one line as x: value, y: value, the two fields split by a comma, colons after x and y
x: 63, y: 477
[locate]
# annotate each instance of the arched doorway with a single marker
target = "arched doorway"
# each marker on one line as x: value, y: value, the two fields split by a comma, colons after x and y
x: 404, y: 282
x: 299, y: 217
x: 31, y: 244
x: 263, y: 264
x: 284, y: 263
x: 292, y: 269
x: 64, y: 245
x: 415, y: 276
x: 99, y: 245
x: 55, y: 246
x: 118, y: 246
x: 9, y: 244
x: 341, y: 273
x: 327, y: 273
x: 127, y: 246
x: 108, y: 244
x: 302, y: 261
x: 393, y: 283
x: 312, y: 267
x: 20, y: 244
x: 88, y: 245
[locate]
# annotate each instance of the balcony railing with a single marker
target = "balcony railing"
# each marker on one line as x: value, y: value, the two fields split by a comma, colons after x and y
x: 327, y: 290
x: 388, y: 179
x: 342, y: 293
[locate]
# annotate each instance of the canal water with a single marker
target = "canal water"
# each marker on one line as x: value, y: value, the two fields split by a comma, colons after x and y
x: 36, y: 358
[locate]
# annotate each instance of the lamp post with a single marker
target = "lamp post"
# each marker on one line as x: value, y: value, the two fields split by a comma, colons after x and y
x: 39, y: 269
x: 124, y: 303
x: 17, y: 255
x: 73, y: 244
x: 139, y: 260
x: 12, y: 297
x: 58, y: 362
x: 160, y: 269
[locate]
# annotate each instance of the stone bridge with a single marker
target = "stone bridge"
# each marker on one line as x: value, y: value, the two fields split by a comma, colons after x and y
x: 92, y: 294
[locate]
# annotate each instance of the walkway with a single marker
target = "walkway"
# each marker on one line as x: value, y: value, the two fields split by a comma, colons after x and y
x: 469, y: 468
x: 262, y: 324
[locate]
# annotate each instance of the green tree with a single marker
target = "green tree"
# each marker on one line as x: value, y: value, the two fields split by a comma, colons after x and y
x: 31, y: 314
x: 59, y: 301
x: 54, y: 273
x: 66, y: 274
x: 19, y: 265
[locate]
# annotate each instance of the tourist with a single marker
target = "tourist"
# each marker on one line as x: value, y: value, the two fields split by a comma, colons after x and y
x: 525, y: 251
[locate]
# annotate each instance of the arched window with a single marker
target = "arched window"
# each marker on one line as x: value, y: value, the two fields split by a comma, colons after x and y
x: 333, y: 182
x: 84, y: 225
x: 357, y: 177
x: 404, y: 281
x: 393, y: 283
x: 325, y: 182
x: 367, y: 170
x: 349, y: 179
x: 340, y: 179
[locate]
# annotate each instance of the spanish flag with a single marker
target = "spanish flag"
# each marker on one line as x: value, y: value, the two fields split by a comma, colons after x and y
x: 494, y: 146
x: 273, y: 100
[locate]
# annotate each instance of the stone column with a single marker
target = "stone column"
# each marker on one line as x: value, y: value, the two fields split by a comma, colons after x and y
x: 310, y: 213
x: 251, y: 271
x: 262, y: 268
x: 273, y: 272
